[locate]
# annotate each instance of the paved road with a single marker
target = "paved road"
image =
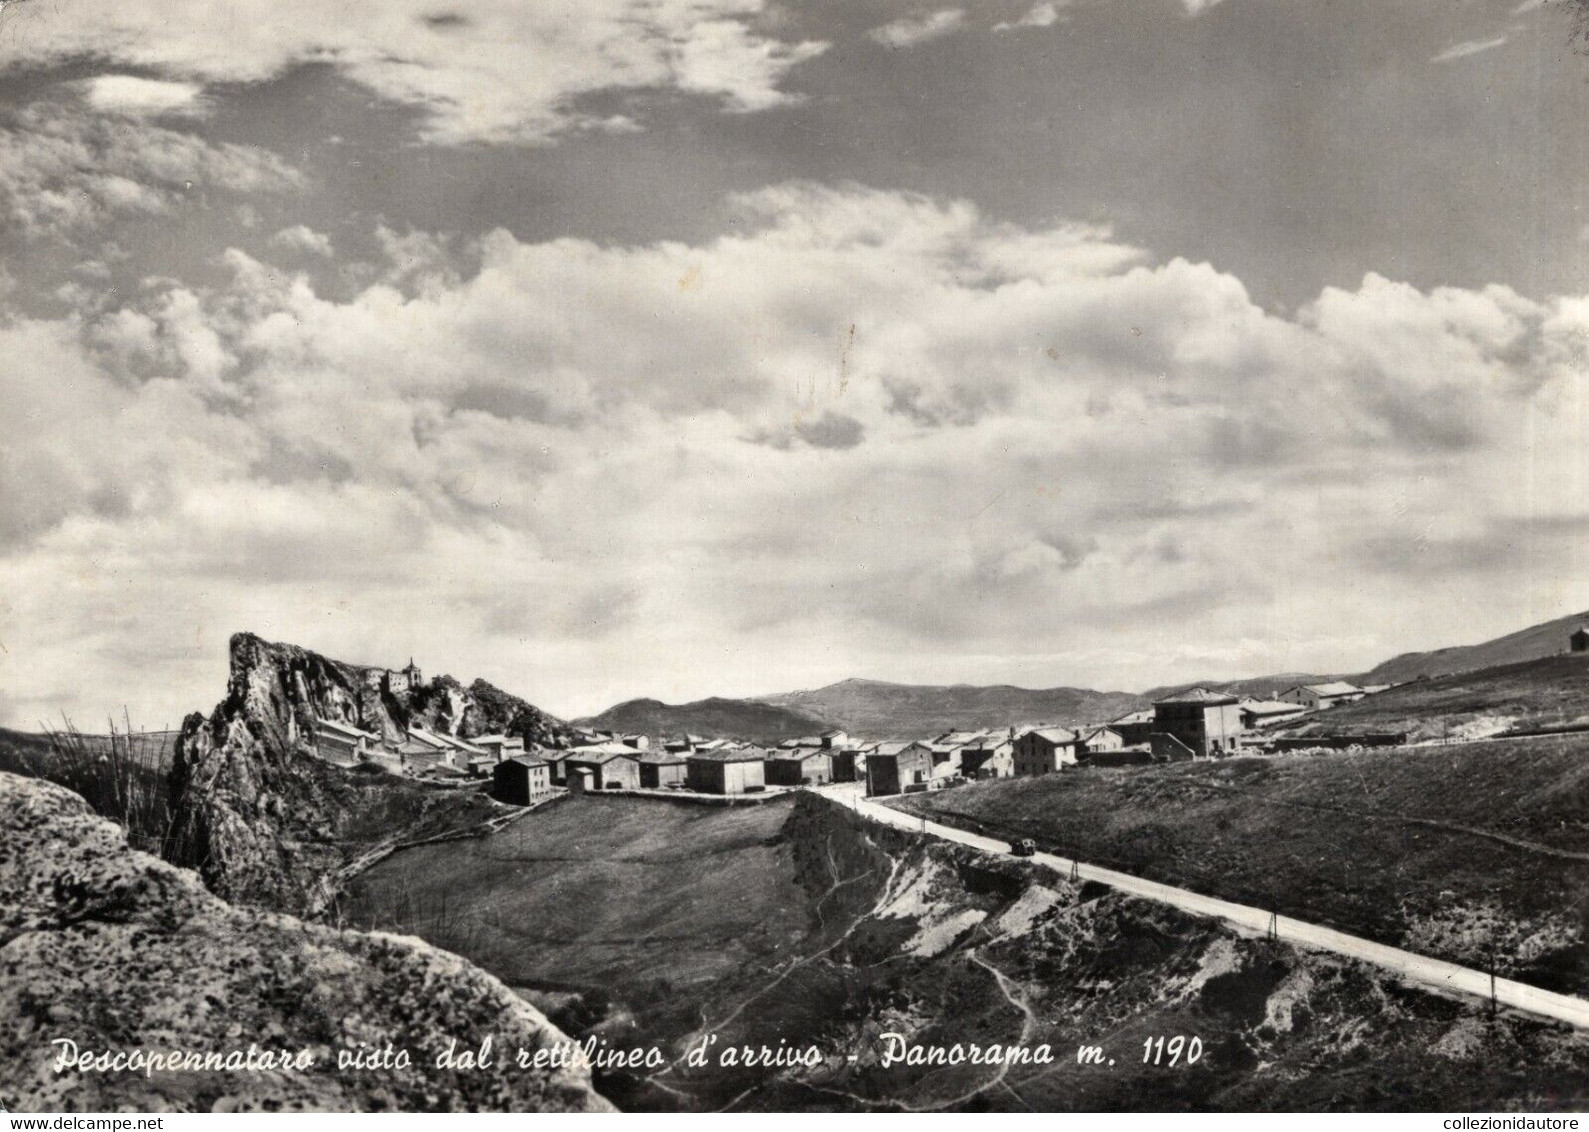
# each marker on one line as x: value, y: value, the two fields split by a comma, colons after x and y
x: 1420, y: 970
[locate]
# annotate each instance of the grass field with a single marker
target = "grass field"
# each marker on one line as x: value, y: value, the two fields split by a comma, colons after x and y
x: 1454, y: 851
x: 606, y: 891
x: 628, y: 918
x: 642, y: 921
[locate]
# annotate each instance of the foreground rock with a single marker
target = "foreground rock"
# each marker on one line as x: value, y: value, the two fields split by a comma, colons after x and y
x: 266, y: 822
x: 118, y: 951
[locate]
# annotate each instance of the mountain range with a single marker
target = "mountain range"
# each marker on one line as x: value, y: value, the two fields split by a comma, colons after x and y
x: 878, y: 709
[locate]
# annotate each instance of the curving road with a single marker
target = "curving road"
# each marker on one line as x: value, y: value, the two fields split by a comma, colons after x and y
x: 1420, y: 970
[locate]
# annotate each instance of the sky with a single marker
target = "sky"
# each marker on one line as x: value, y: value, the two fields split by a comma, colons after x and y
x: 675, y: 348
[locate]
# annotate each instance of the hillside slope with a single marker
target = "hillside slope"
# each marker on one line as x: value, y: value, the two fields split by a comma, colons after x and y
x: 1548, y: 692
x: 799, y: 924
x: 1532, y: 643
x: 881, y: 709
x: 715, y: 718
x: 1456, y: 852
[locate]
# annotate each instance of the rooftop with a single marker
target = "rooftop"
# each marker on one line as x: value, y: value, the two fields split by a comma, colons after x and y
x: 345, y: 728
x: 891, y: 747
x: 1333, y: 688
x: 601, y: 753
x: 1055, y: 734
x: 731, y: 755
x: 1270, y: 707
x: 799, y: 754
x: 662, y: 758
x: 523, y: 760
x: 1199, y: 696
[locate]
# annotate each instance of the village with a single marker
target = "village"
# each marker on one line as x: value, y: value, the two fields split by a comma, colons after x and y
x: 1196, y: 723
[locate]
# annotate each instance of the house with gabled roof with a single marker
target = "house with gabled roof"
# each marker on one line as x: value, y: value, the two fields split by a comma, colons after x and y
x: 1134, y: 727
x: 993, y: 756
x: 1322, y: 696
x: 849, y: 760
x: 1257, y: 713
x: 556, y: 760
x: 452, y: 750
x: 802, y: 766
x: 897, y: 767
x: 663, y: 769
x: 500, y: 745
x: 728, y: 770
x: 1196, y: 723
x: 521, y: 780
x: 1044, y: 750
x: 610, y: 766
x: 343, y: 743
x: 1093, y: 740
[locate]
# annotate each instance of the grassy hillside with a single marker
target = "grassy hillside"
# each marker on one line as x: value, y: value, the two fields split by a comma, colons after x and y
x: 642, y: 921
x: 1449, y: 851
x: 1538, y: 693
x: 872, y: 707
x: 1533, y: 643
x: 714, y: 718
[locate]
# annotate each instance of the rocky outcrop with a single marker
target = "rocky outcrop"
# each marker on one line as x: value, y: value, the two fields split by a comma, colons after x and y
x: 265, y: 821
x: 118, y: 952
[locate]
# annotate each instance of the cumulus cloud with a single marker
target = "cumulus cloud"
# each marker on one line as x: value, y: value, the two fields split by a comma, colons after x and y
x: 64, y: 171
x: 877, y: 430
x: 303, y: 240
x: 491, y: 70
x: 1468, y: 47
x: 912, y: 31
x: 1037, y: 16
x: 137, y: 96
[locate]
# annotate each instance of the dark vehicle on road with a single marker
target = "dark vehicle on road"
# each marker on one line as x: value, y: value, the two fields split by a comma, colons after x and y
x: 1025, y: 847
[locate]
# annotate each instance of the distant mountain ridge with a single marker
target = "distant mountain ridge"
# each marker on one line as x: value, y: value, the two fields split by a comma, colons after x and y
x: 715, y: 718
x: 880, y: 709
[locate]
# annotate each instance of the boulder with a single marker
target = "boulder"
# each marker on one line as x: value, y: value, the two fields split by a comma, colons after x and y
x: 117, y: 952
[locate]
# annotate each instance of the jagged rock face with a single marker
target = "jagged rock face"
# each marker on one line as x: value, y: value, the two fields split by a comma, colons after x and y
x: 284, y: 687
x: 118, y: 951
x: 260, y: 817
x: 490, y: 709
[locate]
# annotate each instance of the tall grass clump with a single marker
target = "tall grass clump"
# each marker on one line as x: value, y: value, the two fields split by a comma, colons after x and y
x: 120, y: 774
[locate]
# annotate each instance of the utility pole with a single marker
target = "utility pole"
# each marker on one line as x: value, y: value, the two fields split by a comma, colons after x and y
x: 1274, y: 925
